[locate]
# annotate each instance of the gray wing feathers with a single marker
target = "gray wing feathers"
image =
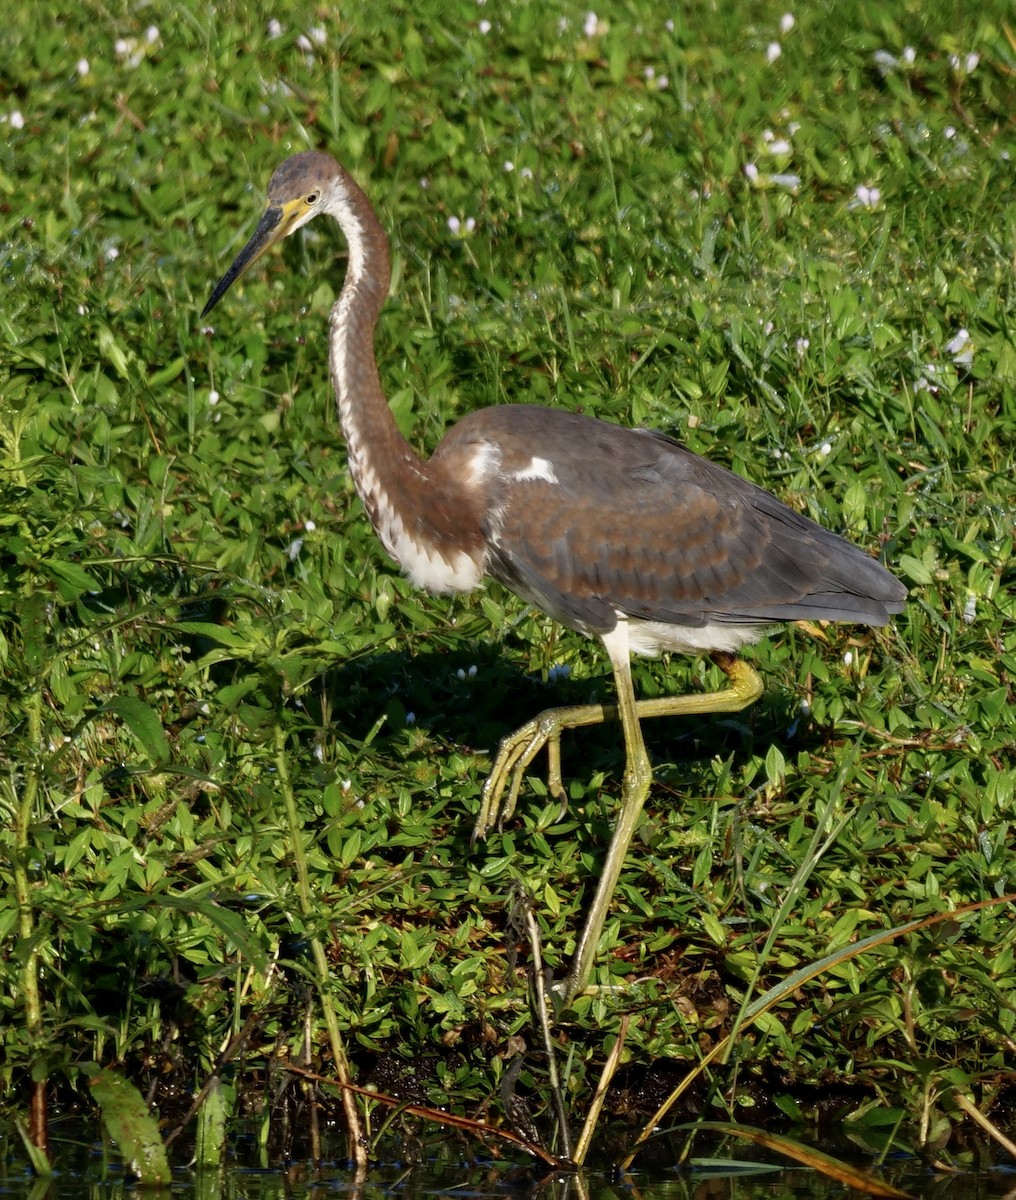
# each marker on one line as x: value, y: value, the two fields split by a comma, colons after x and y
x: 638, y: 524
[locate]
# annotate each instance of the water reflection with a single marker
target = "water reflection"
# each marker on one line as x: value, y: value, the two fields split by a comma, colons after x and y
x: 446, y: 1171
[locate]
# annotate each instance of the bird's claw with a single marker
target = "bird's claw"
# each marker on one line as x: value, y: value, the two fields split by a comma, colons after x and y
x: 516, y: 752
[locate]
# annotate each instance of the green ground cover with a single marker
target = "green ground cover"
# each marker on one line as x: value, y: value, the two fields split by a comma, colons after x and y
x: 788, y: 242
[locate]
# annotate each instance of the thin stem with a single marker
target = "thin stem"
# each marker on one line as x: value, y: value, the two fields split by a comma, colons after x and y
x: 355, y: 1141
x: 38, y: 1122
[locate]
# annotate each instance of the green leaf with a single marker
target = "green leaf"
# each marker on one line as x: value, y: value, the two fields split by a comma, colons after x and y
x: 40, y: 1163
x: 716, y: 931
x: 34, y: 631
x: 71, y: 580
x: 915, y: 570
x: 143, y: 721
x: 129, y: 1124
x: 215, y: 1111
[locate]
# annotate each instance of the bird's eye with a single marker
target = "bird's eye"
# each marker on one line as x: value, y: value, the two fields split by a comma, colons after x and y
x: 312, y: 197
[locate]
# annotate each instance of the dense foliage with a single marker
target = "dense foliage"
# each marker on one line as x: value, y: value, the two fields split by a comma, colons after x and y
x: 801, y: 263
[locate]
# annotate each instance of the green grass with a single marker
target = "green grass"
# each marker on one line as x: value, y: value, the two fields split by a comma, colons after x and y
x: 188, y: 582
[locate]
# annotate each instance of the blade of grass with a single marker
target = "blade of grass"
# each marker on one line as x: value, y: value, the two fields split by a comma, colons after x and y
x: 821, y: 839
x: 24, y: 810
x: 355, y: 1141
x: 989, y: 1127
x: 825, y: 1163
x: 787, y: 987
x: 600, y: 1095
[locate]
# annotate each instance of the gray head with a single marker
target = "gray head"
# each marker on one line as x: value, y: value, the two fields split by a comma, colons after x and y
x: 299, y: 189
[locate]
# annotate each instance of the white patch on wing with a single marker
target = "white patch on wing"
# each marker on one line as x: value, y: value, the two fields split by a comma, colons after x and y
x: 482, y: 463
x: 536, y: 468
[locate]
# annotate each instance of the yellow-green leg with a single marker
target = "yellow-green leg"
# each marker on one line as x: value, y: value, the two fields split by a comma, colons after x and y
x: 519, y: 749
x: 638, y: 775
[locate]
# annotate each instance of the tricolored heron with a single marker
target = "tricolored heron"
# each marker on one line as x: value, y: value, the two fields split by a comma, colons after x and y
x: 618, y: 533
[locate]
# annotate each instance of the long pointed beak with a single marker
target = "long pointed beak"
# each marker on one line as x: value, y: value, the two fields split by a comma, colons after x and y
x: 271, y: 228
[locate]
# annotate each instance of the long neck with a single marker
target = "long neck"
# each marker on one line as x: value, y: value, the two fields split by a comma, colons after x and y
x: 376, y: 447
x: 405, y: 497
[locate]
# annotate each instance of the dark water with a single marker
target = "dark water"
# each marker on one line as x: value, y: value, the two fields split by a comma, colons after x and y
x: 471, y: 1181
x: 449, y: 1168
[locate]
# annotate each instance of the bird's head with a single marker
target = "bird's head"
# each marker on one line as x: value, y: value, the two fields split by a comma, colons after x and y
x: 297, y: 192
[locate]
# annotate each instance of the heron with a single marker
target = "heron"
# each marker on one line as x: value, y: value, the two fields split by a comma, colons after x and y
x: 621, y: 534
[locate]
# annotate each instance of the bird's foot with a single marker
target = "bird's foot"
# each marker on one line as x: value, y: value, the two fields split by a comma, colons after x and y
x: 514, y: 755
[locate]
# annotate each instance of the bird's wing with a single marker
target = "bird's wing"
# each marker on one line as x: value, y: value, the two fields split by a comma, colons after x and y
x: 630, y: 521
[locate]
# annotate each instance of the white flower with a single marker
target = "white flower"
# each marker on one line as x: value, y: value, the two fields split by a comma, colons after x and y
x: 802, y: 345
x: 751, y: 171
x: 960, y: 349
x: 773, y: 52
x: 964, y: 65
x: 848, y: 658
x: 970, y: 609
x: 17, y: 120
x: 790, y: 182
x: 274, y: 28
x: 779, y: 146
x: 82, y: 67
x: 508, y: 165
x: 310, y: 526
x: 295, y: 546
x: 454, y: 224
x: 526, y: 172
x: 865, y: 197
x: 213, y: 397
x: 885, y: 62
x: 825, y: 449
x: 909, y: 55
x: 484, y: 27
x: 317, y: 35
x: 151, y: 34
x: 591, y: 25
x: 303, y: 43
x: 787, y: 22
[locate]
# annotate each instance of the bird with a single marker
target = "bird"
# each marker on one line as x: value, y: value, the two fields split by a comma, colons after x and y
x: 620, y: 533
